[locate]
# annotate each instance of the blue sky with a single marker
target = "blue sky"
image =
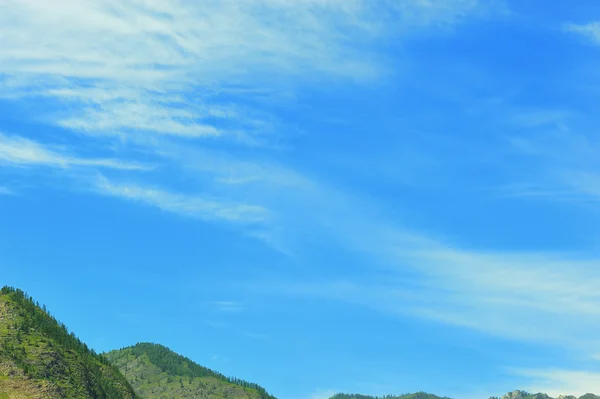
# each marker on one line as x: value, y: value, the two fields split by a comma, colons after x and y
x: 315, y: 195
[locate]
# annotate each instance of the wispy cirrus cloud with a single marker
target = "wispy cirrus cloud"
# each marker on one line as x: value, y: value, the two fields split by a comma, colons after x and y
x: 563, y: 166
x: 188, y: 70
x: 506, y: 293
x: 172, y: 70
x: 147, y: 72
x: 20, y: 151
x: 195, y: 206
x: 590, y: 30
x: 517, y: 295
x: 514, y: 296
x: 556, y: 151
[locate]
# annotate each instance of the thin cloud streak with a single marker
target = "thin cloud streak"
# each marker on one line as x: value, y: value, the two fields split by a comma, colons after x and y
x: 590, y: 30
x: 19, y: 151
x: 195, y: 206
x: 514, y: 296
x: 509, y: 294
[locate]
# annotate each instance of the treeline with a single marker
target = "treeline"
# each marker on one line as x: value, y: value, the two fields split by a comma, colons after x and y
x: 417, y: 395
x: 180, y: 366
x: 519, y: 394
x: 35, y: 319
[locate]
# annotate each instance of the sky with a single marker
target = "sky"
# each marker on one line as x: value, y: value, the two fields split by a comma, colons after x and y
x: 319, y: 196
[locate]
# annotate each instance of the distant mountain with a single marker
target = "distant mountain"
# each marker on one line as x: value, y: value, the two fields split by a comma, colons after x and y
x: 526, y: 395
x: 417, y: 395
x: 39, y: 358
x: 423, y: 395
x: 156, y: 372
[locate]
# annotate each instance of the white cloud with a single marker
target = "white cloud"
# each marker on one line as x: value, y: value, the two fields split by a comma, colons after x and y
x: 19, y: 151
x: 511, y: 295
x: 515, y: 295
x: 542, y: 117
x: 237, y: 173
x: 195, y: 206
x: 562, y: 161
x: 161, y: 66
x: 590, y: 30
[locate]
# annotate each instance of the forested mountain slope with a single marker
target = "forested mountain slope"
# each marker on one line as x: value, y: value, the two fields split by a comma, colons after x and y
x: 39, y: 358
x: 155, y: 372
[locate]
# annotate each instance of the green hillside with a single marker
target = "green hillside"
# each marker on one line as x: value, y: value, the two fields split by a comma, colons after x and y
x: 156, y: 372
x: 39, y: 358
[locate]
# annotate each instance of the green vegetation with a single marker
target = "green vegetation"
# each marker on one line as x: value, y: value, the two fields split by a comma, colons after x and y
x: 424, y: 395
x: 39, y: 357
x: 418, y: 395
x: 523, y: 395
x: 157, y: 372
x: 526, y: 395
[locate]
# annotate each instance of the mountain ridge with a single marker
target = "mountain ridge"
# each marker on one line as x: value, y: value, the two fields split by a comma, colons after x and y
x: 40, y: 358
x: 155, y: 371
x: 516, y: 394
x: 415, y: 395
x: 520, y: 394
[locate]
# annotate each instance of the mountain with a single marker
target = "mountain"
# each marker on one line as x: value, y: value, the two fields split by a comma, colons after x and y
x: 156, y: 372
x: 422, y: 395
x: 526, y: 395
x: 417, y: 395
x: 39, y: 358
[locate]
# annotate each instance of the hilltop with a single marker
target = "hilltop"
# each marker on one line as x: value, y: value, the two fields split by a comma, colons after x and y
x: 423, y: 395
x: 417, y: 395
x: 526, y: 395
x: 40, y: 358
x: 157, y: 372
